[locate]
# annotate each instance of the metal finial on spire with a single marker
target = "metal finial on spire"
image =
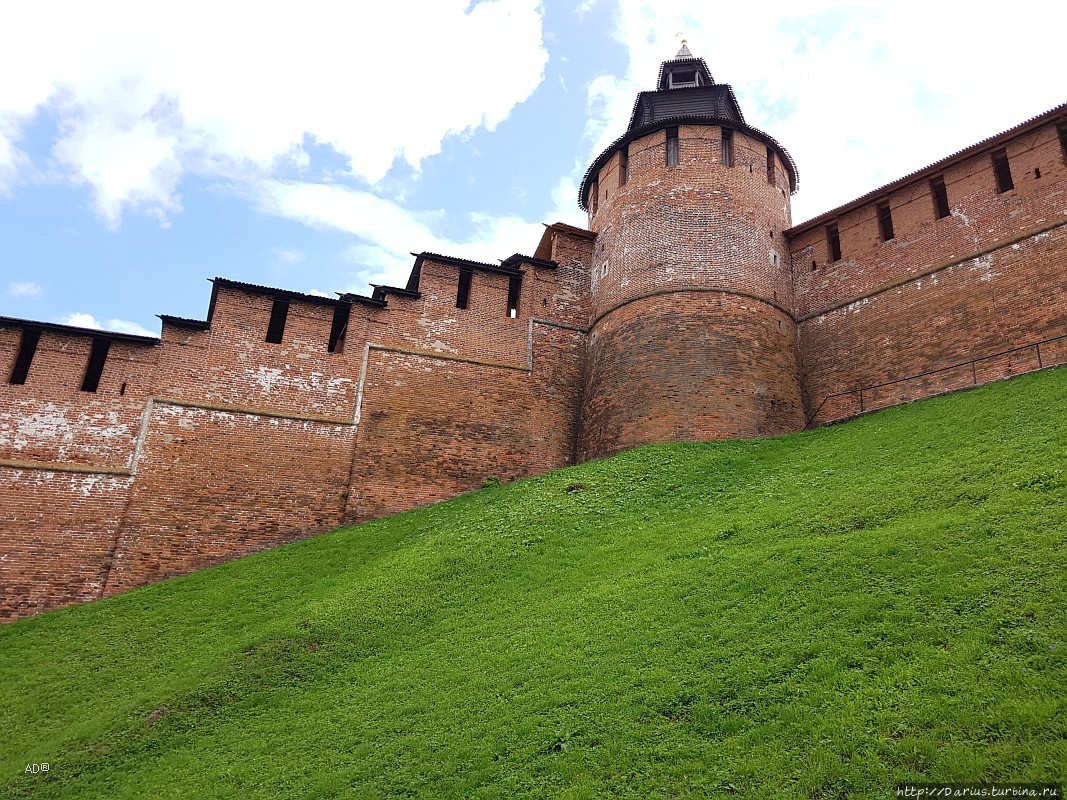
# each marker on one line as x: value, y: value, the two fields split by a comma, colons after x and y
x: 684, y: 52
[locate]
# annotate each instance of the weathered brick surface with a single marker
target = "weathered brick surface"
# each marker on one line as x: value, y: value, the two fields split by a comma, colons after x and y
x: 454, y: 396
x: 212, y: 486
x: 233, y: 364
x: 215, y: 443
x: 990, y: 277
x: 49, y: 419
x: 59, y: 531
x: 690, y: 312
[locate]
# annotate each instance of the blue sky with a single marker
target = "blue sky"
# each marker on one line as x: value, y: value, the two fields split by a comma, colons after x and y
x: 147, y: 147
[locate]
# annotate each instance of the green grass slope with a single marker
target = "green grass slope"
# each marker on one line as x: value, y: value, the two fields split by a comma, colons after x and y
x: 820, y: 615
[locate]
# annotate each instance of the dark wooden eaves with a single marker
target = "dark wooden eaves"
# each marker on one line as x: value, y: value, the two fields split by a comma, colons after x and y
x: 73, y: 330
x: 182, y: 322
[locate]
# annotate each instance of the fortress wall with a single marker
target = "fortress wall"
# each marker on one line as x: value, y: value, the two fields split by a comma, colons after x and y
x: 456, y: 396
x: 563, y: 293
x: 65, y: 458
x: 990, y: 277
x: 432, y: 323
x: 231, y: 363
x: 49, y: 419
x: 663, y: 372
x: 432, y: 428
x: 214, y: 443
x: 59, y: 533
x: 213, y: 485
x: 981, y: 219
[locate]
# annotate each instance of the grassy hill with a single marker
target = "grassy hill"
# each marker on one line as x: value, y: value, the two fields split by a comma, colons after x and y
x: 820, y: 615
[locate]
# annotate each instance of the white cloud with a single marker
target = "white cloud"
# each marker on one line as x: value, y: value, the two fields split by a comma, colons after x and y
x: 860, y: 93
x: 584, y: 7
x: 289, y: 255
x: 145, y: 93
x: 24, y: 289
x: 82, y: 320
x: 381, y: 225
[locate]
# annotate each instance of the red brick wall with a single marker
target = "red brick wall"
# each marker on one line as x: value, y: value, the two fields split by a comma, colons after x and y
x: 990, y: 277
x: 233, y: 364
x: 58, y: 534
x: 215, y: 443
x: 675, y: 323
x: 689, y: 367
x: 454, y: 396
x: 49, y: 419
x: 213, y: 485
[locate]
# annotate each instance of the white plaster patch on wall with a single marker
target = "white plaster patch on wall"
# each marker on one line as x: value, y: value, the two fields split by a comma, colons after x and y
x: 434, y: 330
x: 857, y: 305
x: 270, y: 379
x: 985, y: 265
x: 266, y: 377
x: 48, y: 425
x: 53, y: 482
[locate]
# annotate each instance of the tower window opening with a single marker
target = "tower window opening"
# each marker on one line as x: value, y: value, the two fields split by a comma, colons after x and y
x: 833, y: 242
x: 1037, y: 172
x: 885, y: 221
x: 940, y: 195
x: 770, y: 167
x: 463, y: 292
x: 95, y: 368
x: 276, y: 327
x: 814, y: 266
x: 27, y: 348
x: 1061, y: 129
x: 624, y: 166
x: 594, y: 197
x: 727, y: 147
x: 683, y: 79
x: 514, y: 287
x: 338, y: 328
x: 672, y: 147
x: 1002, y: 171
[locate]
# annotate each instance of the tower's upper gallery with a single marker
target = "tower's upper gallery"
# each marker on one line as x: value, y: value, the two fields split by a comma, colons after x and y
x: 686, y: 95
x: 702, y: 96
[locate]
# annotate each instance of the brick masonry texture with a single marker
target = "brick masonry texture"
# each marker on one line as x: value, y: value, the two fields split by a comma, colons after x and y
x: 689, y: 311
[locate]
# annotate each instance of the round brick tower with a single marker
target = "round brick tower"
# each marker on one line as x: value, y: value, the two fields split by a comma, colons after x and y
x: 691, y: 335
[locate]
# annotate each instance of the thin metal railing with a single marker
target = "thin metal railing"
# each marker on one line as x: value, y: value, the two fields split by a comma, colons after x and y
x: 973, y: 364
